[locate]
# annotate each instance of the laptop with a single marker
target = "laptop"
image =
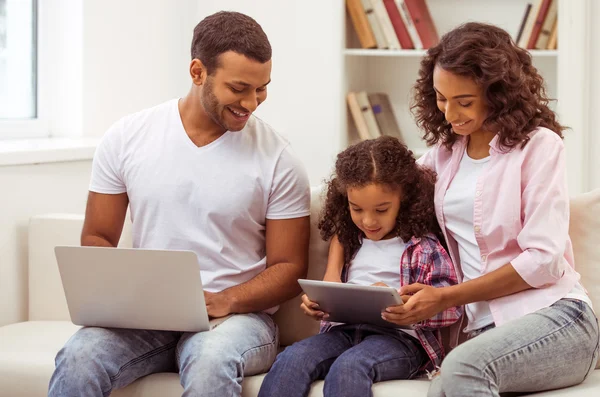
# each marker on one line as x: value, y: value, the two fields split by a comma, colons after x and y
x: 133, y: 288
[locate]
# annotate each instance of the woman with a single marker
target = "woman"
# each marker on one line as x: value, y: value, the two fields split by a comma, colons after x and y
x: 501, y: 200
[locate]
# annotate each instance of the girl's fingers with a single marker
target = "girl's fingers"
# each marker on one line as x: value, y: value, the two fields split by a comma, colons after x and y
x: 312, y: 313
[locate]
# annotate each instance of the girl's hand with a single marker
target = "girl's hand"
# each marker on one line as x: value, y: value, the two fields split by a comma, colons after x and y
x: 311, y: 309
x: 425, y: 303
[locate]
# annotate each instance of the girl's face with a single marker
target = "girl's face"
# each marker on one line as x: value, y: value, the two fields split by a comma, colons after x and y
x: 374, y: 209
x: 461, y: 100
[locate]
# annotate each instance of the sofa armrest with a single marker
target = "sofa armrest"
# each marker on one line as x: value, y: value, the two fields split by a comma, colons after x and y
x: 46, y: 296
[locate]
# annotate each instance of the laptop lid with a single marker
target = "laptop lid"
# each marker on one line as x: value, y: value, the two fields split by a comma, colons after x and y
x: 133, y: 288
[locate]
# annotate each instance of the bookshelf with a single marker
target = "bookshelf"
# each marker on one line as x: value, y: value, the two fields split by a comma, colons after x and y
x: 395, y: 71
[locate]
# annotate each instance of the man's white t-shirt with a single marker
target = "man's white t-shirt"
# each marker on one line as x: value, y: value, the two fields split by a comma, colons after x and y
x: 213, y: 200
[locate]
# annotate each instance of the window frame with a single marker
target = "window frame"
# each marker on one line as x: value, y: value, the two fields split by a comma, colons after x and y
x: 35, y: 127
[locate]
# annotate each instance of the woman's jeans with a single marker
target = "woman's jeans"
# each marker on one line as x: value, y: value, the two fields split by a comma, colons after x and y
x: 552, y: 348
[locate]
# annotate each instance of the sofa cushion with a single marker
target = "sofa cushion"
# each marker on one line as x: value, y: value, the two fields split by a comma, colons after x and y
x: 27, y: 352
x: 293, y: 324
x: 584, y: 230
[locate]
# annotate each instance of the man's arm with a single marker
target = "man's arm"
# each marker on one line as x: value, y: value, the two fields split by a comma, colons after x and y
x: 104, y: 217
x: 287, y: 261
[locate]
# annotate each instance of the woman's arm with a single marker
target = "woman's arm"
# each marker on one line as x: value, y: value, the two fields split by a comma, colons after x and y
x: 545, y: 208
x: 427, y: 301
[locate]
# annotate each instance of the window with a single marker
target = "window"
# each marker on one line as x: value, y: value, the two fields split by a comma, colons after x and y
x: 19, y: 110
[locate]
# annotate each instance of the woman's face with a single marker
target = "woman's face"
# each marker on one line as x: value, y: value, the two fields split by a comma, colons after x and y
x: 461, y: 100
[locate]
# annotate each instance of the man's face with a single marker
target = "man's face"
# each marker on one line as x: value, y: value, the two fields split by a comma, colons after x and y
x: 235, y: 89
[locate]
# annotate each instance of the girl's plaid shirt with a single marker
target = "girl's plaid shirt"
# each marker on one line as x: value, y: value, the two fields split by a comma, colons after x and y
x: 424, y: 261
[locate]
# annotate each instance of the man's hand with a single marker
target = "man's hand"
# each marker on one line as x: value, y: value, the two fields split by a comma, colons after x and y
x: 425, y: 302
x: 218, y: 304
x: 311, y: 309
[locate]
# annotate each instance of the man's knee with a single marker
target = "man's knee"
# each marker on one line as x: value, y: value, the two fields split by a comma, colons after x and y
x: 78, y: 353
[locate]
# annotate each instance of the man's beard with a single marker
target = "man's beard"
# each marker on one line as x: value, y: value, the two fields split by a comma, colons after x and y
x: 211, y: 104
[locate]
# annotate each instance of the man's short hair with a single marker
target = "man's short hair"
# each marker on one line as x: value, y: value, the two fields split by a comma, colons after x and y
x: 229, y: 31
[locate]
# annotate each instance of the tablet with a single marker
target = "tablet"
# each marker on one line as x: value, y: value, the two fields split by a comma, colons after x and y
x: 351, y: 303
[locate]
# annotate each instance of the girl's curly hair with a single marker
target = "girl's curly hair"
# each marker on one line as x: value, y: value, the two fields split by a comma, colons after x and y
x: 388, y: 162
x: 513, y: 89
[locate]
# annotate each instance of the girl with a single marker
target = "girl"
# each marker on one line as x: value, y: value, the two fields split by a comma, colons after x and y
x: 502, y: 202
x: 379, y: 205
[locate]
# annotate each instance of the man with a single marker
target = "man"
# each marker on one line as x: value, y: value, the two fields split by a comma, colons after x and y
x: 203, y: 174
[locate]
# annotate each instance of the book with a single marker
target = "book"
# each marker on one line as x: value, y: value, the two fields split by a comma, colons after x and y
x: 361, y: 24
x: 398, y: 24
x: 386, y: 24
x: 374, y: 23
x: 357, y: 116
x: 523, y: 23
x: 544, y: 37
x: 423, y: 22
x: 539, y: 21
x: 410, y: 26
x: 367, y: 112
x: 384, y: 115
x: 524, y: 39
x: 553, y: 40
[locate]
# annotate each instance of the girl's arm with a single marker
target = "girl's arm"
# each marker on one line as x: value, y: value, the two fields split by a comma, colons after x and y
x: 335, y: 261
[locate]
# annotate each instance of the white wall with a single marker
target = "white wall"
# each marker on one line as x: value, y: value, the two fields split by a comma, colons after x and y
x: 26, y: 191
x: 594, y: 124
x: 135, y: 55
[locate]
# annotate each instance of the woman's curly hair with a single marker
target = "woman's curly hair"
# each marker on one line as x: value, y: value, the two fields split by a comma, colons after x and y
x: 388, y: 162
x: 513, y: 89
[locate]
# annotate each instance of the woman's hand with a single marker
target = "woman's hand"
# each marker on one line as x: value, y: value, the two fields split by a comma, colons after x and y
x: 425, y: 302
x: 311, y: 309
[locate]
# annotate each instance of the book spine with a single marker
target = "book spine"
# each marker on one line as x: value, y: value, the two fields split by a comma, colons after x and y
x: 367, y: 112
x: 529, y: 25
x: 361, y: 24
x: 539, y: 21
x: 398, y: 24
x: 523, y: 23
x: 410, y: 26
x: 423, y: 22
x: 374, y: 23
x: 546, y: 31
x: 386, y: 24
x: 357, y: 116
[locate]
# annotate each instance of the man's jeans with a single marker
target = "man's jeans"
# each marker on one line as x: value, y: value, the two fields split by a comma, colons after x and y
x: 349, y: 357
x: 552, y: 348
x: 97, y: 360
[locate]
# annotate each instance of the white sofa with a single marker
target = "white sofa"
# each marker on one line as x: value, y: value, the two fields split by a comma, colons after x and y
x: 27, y: 349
